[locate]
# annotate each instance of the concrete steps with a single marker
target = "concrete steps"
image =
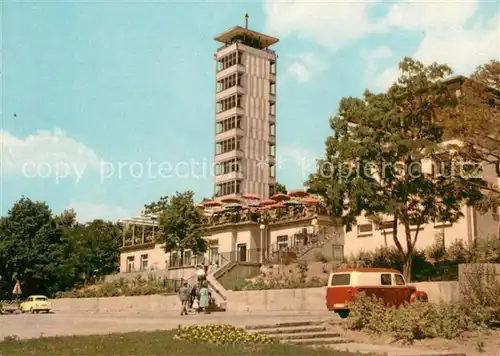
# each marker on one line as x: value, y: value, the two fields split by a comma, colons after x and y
x: 302, y: 333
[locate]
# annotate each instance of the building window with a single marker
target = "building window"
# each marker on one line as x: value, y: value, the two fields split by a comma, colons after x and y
x: 272, y: 88
x: 272, y: 129
x: 231, y: 144
x: 272, y: 108
x: 272, y: 189
x: 229, y: 82
x: 130, y: 264
x: 282, y: 242
x: 228, y: 103
x: 365, y: 230
x: 231, y: 165
x: 229, y: 60
x: 144, y: 262
x: 228, y: 188
x: 272, y: 150
x: 272, y: 68
x: 188, y: 258
x: 387, y: 225
x: 272, y: 171
x: 441, y: 224
x: 234, y: 122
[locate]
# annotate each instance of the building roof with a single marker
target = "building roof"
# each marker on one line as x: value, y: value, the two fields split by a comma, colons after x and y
x: 238, y: 31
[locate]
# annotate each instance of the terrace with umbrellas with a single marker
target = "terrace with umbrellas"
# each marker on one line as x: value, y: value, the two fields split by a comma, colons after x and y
x: 297, y: 204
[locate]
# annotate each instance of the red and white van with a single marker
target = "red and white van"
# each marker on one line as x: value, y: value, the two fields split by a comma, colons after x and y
x: 385, y: 283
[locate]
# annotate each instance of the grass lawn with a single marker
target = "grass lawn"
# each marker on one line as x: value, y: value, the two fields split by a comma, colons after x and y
x: 148, y: 344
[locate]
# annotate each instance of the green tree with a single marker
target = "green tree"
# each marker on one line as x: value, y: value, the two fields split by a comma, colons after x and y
x: 29, y: 240
x: 373, y: 159
x: 156, y: 206
x: 475, y: 120
x: 281, y: 188
x: 181, y: 226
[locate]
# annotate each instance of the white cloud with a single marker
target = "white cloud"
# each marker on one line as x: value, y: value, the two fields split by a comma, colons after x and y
x: 88, y: 211
x: 46, y: 154
x: 305, y: 65
x: 453, y: 33
x: 332, y: 24
x: 372, y: 61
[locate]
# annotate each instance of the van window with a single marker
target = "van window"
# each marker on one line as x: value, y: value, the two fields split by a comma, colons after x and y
x: 385, y: 279
x: 340, y: 280
x: 399, y: 280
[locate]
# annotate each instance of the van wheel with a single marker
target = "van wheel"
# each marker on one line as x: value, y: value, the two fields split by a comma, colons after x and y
x: 343, y: 313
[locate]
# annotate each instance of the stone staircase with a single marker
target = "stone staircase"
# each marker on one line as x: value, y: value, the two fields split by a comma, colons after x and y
x: 302, y: 333
x: 303, y: 250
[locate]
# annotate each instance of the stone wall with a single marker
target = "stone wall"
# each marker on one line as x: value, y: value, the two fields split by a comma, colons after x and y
x: 307, y: 299
x: 116, y: 304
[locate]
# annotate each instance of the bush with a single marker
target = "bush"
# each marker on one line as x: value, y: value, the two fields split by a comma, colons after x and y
x: 416, y: 321
x: 221, y: 334
x: 389, y: 257
x: 122, y: 287
x: 480, y: 291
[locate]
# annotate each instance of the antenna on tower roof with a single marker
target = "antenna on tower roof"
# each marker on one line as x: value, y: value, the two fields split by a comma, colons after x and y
x: 246, y: 21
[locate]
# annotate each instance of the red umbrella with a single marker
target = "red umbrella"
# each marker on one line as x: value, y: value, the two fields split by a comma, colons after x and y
x: 280, y: 197
x: 298, y: 193
x: 310, y: 200
x: 251, y: 197
x: 211, y: 203
x: 266, y: 202
x: 231, y: 199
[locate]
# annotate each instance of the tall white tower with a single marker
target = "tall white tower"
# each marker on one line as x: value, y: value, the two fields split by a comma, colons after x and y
x: 245, y: 113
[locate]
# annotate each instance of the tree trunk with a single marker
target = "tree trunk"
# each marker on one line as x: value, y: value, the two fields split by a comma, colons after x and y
x: 407, y: 264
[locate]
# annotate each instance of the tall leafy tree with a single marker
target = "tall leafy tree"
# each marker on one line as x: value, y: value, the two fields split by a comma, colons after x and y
x: 29, y: 238
x: 475, y: 119
x: 181, y: 225
x: 156, y: 206
x: 373, y: 159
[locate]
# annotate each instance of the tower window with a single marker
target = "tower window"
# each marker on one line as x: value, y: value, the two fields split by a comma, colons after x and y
x: 272, y: 67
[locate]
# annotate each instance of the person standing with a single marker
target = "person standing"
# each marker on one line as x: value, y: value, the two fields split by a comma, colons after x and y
x: 204, y: 297
x: 200, y: 273
x: 184, y: 295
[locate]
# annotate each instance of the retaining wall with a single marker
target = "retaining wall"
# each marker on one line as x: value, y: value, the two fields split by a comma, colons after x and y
x: 310, y: 299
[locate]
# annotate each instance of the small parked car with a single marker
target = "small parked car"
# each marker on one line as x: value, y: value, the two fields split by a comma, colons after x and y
x: 36, y: 304
x: 384, y: 283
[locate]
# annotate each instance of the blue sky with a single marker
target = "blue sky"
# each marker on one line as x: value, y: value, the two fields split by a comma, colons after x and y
x: 95, y: 85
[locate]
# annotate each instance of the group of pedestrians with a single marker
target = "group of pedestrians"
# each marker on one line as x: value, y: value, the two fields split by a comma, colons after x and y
x: 196, y: 298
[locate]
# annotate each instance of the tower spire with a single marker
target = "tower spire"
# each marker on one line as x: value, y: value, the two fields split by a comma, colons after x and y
x: 246, y: 21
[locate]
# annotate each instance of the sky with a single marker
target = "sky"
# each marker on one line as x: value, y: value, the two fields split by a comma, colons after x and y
x: 109, y: 105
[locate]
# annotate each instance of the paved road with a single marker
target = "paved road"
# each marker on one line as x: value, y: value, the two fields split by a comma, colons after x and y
x: 36, y: 325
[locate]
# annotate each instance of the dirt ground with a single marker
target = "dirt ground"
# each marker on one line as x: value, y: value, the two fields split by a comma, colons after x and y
x: 472, y: 344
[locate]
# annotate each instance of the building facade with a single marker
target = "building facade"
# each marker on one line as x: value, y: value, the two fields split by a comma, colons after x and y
x: 245, y: 114
x: 281, y: 234
x: 365, y: 236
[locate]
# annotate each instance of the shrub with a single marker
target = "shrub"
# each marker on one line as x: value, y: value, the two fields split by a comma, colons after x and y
x: 221, y: 334
x: 412, y: 322
x: 389, y: 257
x: 122, y: 287
x: 480, y: 291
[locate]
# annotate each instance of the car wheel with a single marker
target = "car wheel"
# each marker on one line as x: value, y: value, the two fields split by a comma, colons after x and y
x: 343, y: 313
